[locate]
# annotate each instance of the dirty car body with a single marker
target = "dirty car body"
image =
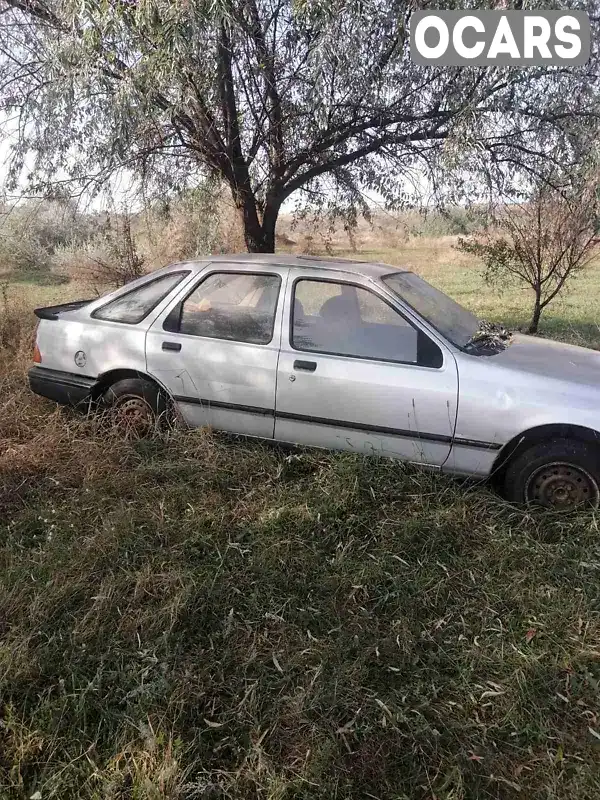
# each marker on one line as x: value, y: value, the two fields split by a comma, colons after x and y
x: 337, y: 354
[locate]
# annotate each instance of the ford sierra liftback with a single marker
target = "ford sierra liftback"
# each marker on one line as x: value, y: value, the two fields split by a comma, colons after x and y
x: 336, y: 354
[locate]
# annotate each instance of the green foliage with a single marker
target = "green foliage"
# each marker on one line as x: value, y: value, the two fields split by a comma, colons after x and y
x: 192, y: 224
x: 201, y: 210
x: 32, y: 232
x: 261, y: 93
x: 541, y: 243
x: 499, y: 256
x: 450, y: 221
x: 22, y: 255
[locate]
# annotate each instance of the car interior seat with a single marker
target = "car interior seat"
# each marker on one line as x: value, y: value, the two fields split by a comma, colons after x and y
x: 341, y: 309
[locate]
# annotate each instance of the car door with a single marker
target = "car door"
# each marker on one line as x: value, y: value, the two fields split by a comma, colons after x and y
x: 216, y: 348
x: 356, y: 374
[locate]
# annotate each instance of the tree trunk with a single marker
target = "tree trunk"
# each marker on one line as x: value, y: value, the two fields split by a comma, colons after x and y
x: 259, y: 237
x: 537, y: 311
x: 258, y: 240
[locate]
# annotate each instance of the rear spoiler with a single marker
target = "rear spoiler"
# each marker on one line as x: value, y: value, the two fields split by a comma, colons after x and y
x: 52, y: 312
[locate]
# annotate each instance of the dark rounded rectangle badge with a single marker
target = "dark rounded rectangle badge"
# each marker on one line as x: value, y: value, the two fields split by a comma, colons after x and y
x: 500, y: 38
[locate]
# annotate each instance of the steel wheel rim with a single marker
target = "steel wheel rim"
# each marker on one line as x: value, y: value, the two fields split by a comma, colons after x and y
x: 134, y: 415
x: 562, y: 486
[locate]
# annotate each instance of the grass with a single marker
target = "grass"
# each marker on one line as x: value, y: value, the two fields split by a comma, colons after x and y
x: 33, y: 278
x: 198, y: 617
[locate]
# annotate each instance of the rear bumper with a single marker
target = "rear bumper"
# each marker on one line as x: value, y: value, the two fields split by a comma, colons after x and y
x: 66, y: 388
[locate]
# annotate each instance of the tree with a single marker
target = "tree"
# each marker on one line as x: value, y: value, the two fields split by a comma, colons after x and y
x: 121, y: 261
x: 275, y: 97
x: 542, y: 243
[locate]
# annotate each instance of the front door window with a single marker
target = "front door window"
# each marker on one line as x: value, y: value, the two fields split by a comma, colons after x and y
x: 348, y: 320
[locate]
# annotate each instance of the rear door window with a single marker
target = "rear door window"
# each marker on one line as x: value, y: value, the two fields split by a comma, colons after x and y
x: 238, y: 306
x: 135, y: 305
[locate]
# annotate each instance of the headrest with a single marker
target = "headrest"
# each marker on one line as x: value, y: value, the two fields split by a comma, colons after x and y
x: 339, y: 309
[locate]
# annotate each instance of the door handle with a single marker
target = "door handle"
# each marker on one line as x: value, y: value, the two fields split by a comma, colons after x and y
x: 307, y: 366
x: 174, y: 346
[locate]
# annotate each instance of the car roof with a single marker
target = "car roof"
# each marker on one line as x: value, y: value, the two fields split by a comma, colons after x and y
x: 370, y: 269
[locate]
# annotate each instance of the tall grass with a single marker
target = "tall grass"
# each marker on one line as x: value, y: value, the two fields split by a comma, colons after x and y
x: 197, y: 617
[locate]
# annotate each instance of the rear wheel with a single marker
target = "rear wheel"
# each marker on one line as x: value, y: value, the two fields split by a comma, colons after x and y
x: 559, y: 474
x: 136, y: 406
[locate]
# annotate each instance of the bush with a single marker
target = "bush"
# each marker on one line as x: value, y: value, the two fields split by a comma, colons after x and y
x: 21, y: 254
x: 198, y: 223
x: 120, y: 261
x: 31, y: 233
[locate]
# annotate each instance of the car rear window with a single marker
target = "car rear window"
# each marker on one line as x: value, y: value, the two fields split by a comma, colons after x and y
x: 135, y: 305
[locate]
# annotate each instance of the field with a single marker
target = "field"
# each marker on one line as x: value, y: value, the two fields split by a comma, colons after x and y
x: 194, y: 617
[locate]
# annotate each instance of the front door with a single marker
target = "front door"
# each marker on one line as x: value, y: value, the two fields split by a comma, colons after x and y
x: 216, y: 349
x: 356, y: 374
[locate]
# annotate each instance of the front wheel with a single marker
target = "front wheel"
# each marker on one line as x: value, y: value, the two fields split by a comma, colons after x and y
x: 136, y: 406
x: 560, y: 474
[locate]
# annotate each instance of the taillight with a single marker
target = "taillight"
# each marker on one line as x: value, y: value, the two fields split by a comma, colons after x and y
x: 37, y: 356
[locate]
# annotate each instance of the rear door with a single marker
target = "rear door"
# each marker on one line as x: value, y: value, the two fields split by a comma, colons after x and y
x: 356, y: 374
x: 216, y: 348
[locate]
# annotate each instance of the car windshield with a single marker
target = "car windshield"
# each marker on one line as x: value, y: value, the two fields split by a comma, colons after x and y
x: 449, y: 318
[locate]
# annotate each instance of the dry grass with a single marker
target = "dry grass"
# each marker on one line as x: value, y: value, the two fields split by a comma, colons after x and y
x: 195, y: 617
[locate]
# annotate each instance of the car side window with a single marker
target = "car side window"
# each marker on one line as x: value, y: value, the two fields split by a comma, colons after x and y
x: 135, y: 305
x: 344, y: 319
x: 237, y: 306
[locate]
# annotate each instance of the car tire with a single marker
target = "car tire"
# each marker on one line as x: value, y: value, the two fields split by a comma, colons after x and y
x: 559, y: 474
x: 135, y: 405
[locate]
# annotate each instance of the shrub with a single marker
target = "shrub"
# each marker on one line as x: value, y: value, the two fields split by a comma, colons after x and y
x: 541, y: 243
x: 117, y: 261
x: 31, y: 233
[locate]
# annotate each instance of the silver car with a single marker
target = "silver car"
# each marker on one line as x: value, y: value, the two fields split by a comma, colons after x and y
x: 338, y: 354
